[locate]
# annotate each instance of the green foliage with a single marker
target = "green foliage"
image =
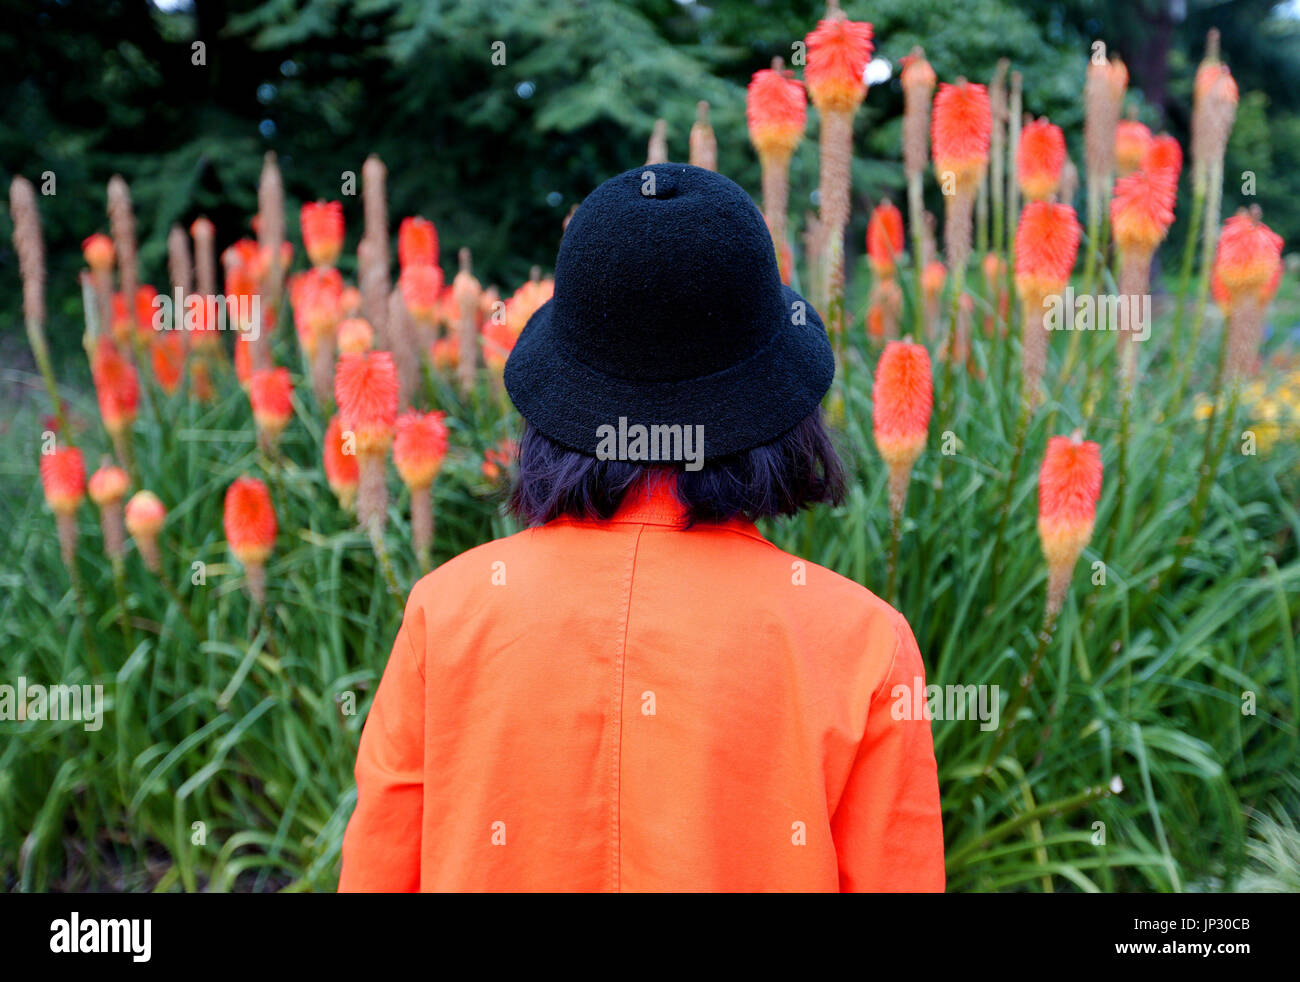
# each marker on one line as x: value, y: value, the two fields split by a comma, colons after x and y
x: 220, y: 716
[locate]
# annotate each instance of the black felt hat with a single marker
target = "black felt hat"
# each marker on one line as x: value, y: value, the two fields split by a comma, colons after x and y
x: 669, y: 310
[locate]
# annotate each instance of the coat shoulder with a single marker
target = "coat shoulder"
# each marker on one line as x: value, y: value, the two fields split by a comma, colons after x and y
x: 469, y: 570
x: 849, y: 598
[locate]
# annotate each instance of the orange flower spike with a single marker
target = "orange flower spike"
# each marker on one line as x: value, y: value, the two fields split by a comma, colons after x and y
x: 884, y: 238
x: 902, y: 399
x: 342, y: 470
x: 145, y: 515
x: 1164, y: 156
x: 1246, y: 274
x: 116, y: 387
x: 365, y: 387
x: 1214, y: 109
x: 317, y: 299
x: 98, y: 252
x: 421, y: 287
x: 243, y: 360
x: 107, y: 488
x: 1047, y: 243
x: 1141, y: 211
x: 838, y: 52
x: 1247, y: 258
x: 417, y: 243
x: 322, y: 231
x: 108, y: 485
x: 1069, y: 486
x: 271, y: 393
x: 145, y: 309
x: 418, y: 452
x: 250, y: 526
x: 918, y: 73
x: 1132, y: 141
x: 366, y: 390
x: 776, y: 110
x: 355, y: 335
x: 63, y: 479
x: 1040, y: 159
x: 167, y: 356
x: 1212, y: 72
x: 420, y: 447
x: 961, y: 130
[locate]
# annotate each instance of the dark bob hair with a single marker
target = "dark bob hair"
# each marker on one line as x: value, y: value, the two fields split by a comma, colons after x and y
x: 796, y: 470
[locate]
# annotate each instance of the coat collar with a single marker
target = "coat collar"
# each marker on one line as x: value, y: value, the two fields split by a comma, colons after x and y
x: 652, y: 502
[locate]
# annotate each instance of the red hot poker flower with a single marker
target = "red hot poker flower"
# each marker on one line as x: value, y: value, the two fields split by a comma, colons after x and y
x: 776, y: 109
x: 271, y: 393
x: 838, y: 52
x: 421, y: 287
x: 417, y: 243
x: 903, y: 397
x: 63, y: 478
x: 366, y: 389
x: 1047, y: 242
x: 884, y: 238
x: 1165, y: 156
x: 108, y: 485
x: 961, y: 129
x: 1141, y: 210
x: 342, y: 470
x: 1248, y: 257
x: 1069, y: 486
x: 116, y: 386
x: 420, y: 447
x: 249, y: 521
x: 322, y: 231
x: 98, y: 252
x: 1040, y: 159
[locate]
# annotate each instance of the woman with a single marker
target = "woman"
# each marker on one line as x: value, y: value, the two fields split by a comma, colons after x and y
x: 639, y: 692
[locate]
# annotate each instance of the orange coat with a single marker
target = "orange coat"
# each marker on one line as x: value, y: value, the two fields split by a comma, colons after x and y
x: 627, y: 706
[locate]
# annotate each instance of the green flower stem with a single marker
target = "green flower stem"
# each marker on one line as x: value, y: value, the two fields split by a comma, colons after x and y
x: 916, y: 211
x: 41, y: 352
x: 1022, y: 435
x: 119, y: 587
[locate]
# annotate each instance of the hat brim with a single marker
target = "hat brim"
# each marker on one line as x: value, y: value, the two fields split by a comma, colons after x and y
x: 743, y: 406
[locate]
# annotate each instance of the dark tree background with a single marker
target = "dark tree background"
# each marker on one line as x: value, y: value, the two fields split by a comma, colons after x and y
x: 496, y: 154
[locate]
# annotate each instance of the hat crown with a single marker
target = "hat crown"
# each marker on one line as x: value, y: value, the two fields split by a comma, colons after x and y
x: 667, y: 273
